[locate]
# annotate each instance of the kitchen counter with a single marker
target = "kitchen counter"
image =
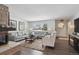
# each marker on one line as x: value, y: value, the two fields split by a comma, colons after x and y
x: 11, y: 48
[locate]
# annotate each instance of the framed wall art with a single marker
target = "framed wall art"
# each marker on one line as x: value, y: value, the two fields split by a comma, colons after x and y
x: 13, y: 24
x: 21, y: 26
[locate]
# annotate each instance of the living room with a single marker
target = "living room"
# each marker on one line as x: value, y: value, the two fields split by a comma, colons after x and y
x: 39, y: 29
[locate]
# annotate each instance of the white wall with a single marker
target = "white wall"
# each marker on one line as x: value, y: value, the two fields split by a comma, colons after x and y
x: 21, y: 20
x: 62, y: 32
x: 76, y: 16
x: 70, y: 26
x: 50, y: 24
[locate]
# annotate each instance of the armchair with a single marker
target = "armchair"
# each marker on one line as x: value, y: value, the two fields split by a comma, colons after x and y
x: 49, y: 40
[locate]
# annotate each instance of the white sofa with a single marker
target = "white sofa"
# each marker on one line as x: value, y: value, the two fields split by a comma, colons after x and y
x: 17, y: 36
x: 49, y: 40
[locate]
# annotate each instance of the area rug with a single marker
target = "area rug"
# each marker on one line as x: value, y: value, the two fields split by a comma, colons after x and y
x: 37, y: 45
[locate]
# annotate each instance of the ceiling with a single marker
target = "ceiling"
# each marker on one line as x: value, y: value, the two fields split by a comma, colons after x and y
x: 34, y: 12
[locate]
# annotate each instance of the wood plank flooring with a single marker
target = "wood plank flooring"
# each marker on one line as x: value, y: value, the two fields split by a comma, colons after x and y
x: 61, y: 48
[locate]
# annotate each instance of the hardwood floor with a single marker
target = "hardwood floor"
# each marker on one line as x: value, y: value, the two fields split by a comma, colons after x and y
x: 61, y: 48
x: 28, y: 51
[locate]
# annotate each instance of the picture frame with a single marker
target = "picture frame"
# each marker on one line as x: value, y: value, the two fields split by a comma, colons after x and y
x: 13, y: 24
x: 21, y: 26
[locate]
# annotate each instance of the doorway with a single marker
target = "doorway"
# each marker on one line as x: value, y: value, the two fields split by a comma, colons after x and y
x: 61, y: 27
